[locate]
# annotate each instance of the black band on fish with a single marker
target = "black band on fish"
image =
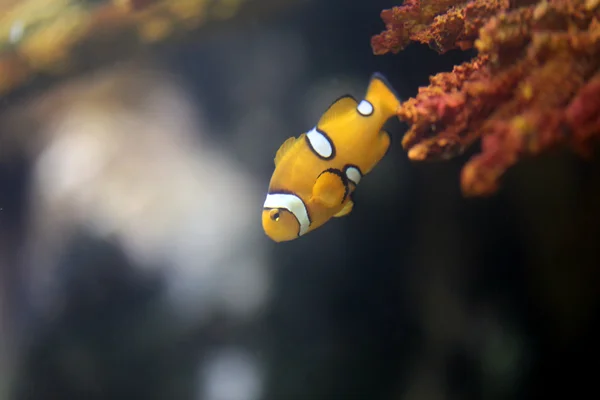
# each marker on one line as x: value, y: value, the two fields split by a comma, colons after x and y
x: 320, y: 144
x: 342, y: 176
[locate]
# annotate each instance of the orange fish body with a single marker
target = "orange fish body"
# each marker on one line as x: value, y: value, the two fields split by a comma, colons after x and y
x: 316, y: 173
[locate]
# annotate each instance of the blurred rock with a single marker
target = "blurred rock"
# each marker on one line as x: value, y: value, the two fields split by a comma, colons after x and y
x: 123, y: 160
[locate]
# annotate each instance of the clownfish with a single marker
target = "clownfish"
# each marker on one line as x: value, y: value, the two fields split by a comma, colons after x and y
x: 317, y: 172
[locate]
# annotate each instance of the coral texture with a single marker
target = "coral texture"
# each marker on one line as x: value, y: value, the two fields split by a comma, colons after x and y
x: 442, y: 24
x: 534, y: 85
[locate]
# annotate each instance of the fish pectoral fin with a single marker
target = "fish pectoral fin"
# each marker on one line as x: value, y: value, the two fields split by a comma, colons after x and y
x: 285, y: 147
x: 345, y: 210
x: 329, y: 190
x: 338, y: 108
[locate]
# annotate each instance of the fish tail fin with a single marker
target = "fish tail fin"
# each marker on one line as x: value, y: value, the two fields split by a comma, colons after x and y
x: 381, y: 93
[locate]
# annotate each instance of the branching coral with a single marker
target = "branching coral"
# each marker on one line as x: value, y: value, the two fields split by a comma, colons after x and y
x: 442, y: 24
x: 535, y: 84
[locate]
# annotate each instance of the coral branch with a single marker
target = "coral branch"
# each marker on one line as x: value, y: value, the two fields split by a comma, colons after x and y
x: 442, y: 24
x: 583, y: 116
x: 534, y: 85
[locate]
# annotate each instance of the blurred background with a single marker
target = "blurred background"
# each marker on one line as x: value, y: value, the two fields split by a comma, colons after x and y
x: 133, y: 262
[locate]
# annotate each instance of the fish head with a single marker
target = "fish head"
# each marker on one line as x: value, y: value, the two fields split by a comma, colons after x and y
x: 280, y: 224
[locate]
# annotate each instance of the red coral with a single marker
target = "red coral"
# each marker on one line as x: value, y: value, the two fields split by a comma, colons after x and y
x: 583, y: 114
x: 534, y: 85
x: 442, y: 24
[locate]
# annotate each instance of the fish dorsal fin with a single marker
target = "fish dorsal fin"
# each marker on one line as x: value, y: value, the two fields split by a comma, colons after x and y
x: 285, y: 146
x: 342, y: 106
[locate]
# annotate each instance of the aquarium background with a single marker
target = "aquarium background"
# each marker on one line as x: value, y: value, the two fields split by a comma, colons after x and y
x: 134, y: 264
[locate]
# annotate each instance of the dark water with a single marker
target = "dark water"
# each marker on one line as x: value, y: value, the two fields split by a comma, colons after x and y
x: 419, y: 294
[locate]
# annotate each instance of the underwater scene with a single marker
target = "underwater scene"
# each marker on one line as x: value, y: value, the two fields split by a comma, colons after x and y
x: 299, y: 200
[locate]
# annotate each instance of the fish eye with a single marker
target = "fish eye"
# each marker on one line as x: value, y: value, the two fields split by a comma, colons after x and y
x: 274, y: 214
